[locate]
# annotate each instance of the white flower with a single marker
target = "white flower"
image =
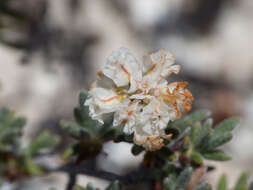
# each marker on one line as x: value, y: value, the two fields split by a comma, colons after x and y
x: 157, y: 66
x: 142, y: 100
x: 123, y: 69
x: 128, y: 115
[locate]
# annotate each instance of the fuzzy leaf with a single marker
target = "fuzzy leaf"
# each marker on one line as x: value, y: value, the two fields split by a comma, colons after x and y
x: 44, y: 140
x: 107, y: 126
x: 19, y: 122
x: 250, y: 186
x: 197, y: 158
x: 184, y: 178
x: 190, y: 119
x: 169, y: 183
x: 216, y: 155
x: 222, y: 185
x: 195, y: 132
x: 32, y: 168
x: 206, y: 129
x: 10, y: 130
x: 84, y: 120
x: 88, y: 187
x: 198, y: 115
x: 114, y: 186
x: 82, y: 97
x: 68, y: 153
x: 75, y: 130
x: 81, y: 114
x: 226, y: 126
x: 241, y: 184
x: 202, y: 186
x: 217, y: 140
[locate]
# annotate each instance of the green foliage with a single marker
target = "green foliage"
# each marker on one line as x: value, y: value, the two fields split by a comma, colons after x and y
x: 88, y: 187
x: 194, y: 136
x: 202, y: 186
x: 217, y: 155
x: 241, y: 183
x: 194, y: 140
x: 41, y: 142
x: 90, y: 133
x: 10, y: 131
x: 222, y: 185
x: 85, y: 127
x: 179, y: 165
x: 204, y: 139
x: 115, y: 185
x: 197, y: 158
x: 226, y: 126
x: 17, y: 161
x: 169, y: 183
x: 182, y: 181
x: 190, y: 119
x: 184, y: 178
x: 176, y: 166
x: 250, y: 186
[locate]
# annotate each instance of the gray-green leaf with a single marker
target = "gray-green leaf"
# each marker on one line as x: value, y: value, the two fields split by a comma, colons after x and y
x: 241, y: 184
x: 114, y: 186
x: 169, y: 183
x: 184, y: 178
x: 226, y: 126
x: 202, y: 186
x: 216, y: 155
x: 222, y: 185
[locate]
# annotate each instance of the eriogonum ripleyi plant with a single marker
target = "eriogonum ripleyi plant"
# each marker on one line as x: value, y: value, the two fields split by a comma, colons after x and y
x: 131, y: 102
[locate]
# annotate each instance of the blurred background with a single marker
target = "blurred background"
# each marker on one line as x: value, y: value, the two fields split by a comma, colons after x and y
x: 51, y: 49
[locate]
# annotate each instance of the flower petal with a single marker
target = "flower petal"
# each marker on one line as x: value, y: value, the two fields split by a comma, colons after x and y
x: 127, y: 116
x: 103, y: 98
x: 158, y: 113
x: 157, y: 65
x: 177, y: 96
x: 172, y: 69
x: 151, y: 142
x: 123, y: 69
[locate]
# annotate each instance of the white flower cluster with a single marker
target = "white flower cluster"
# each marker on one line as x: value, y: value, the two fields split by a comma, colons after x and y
x: 139, y: 95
